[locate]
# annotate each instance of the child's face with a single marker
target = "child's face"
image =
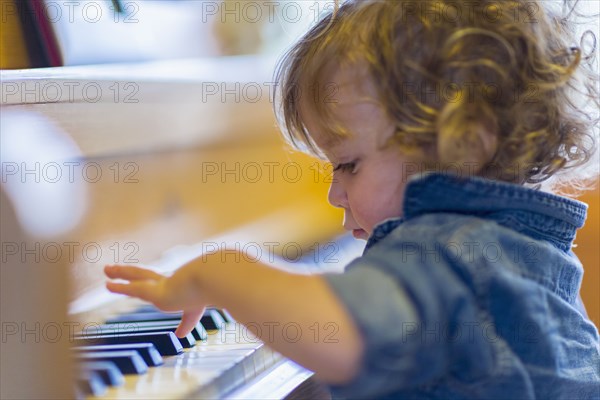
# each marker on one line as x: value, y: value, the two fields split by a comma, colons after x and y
x: 368, y: 178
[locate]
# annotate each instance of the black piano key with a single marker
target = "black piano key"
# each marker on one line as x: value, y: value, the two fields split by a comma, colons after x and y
x: 90, y: 383
x: 146, y: 308
x: 108, y: 371
x: 147, y: 351
x: 166, y: 343
x: 187, y: 341
x: 145, y: 316
x: 149, y: 308
x: 198, y: 332
x: 128, y: 361
x: 212, y: 320
x: 226, y: 316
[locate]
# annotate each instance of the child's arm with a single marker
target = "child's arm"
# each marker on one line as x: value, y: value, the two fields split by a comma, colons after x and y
x: 320, y: 334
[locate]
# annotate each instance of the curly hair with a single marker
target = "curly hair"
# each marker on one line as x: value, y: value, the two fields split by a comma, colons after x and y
x: 445, y: 70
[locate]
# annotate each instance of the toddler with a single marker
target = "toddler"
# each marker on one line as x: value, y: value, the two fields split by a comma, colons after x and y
x: 442, y: 121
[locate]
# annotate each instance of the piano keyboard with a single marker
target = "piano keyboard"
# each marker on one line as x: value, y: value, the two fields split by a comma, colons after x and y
x: 218, y: 359
x: 137, y: 356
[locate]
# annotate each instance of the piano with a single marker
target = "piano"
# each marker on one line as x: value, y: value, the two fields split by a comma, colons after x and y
x: 164, y: 171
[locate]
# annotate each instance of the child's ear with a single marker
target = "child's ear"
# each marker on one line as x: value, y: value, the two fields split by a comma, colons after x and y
x: 465, y: 140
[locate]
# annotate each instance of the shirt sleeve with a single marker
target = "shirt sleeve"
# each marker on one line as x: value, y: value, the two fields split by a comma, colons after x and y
x: 417, y: 317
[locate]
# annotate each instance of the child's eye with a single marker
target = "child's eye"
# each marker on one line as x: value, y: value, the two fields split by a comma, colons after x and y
x: 346, y: 167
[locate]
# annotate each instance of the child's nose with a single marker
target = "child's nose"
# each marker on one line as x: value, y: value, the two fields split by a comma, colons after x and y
x: 337, y: 194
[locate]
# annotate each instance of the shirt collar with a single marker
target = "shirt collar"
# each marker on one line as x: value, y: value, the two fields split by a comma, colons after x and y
x: 538, y: 214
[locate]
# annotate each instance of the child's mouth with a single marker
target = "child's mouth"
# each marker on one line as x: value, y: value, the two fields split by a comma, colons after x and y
x: 360, y: 234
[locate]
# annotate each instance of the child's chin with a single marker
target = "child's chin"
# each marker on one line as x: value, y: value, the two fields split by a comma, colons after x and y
x: 360, y: 234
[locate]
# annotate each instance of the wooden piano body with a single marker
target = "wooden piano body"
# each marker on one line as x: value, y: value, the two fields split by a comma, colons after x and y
x: 168, y: 166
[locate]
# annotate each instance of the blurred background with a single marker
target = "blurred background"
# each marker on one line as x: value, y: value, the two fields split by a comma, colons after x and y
x: 50, y: 33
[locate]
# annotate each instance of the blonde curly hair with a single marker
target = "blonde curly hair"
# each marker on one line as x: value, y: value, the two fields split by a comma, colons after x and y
x: 447, y: 70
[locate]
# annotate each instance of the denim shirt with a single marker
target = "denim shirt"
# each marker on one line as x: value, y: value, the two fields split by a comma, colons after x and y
x: 472, y: 294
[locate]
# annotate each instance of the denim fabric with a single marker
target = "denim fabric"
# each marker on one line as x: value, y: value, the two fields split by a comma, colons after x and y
x: 472, y: 294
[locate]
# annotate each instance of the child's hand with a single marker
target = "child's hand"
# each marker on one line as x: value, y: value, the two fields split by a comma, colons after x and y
x: 175, y: 293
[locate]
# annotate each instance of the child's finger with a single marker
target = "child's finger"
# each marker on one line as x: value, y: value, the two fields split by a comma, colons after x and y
x: 130, y: 273
x: 189, y: 319
x: 142, y: 290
